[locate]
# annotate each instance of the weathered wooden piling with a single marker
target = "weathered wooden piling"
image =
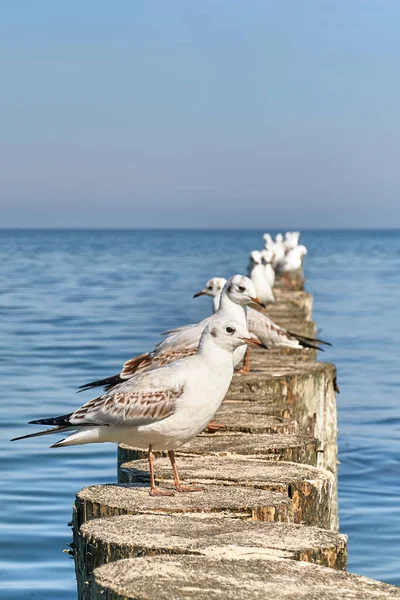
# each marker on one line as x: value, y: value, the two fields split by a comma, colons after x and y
x: 110, y: 500
x: 309, y: 490
x: 269, y: 500
x: 270, y: 446
x: 108, y: 540
x: 199, y: 577
x: 291, y: 306
x: 293, y: 281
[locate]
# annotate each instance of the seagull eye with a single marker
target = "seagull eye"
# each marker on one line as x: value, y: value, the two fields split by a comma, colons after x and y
x: 209, y: 287
x: 230, y: 330
x: 241, y: 288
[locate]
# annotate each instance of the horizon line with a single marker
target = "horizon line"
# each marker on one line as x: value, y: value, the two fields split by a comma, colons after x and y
x: 183, y: 228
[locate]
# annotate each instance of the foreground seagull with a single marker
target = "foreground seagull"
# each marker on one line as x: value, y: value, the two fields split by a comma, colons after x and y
x: 162, y: 409
x: 269, y: 333
x: 237, y: 293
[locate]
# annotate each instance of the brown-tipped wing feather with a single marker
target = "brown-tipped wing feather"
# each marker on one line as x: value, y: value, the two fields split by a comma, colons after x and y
x: 128, y: 370
x: 139, y: 364
x: 133, y: 364
x: 179, y: 344
x: 153, y: 361
x: 128, y: 406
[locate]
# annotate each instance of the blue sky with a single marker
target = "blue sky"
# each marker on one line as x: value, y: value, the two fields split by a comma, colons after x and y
x: 211, y: 113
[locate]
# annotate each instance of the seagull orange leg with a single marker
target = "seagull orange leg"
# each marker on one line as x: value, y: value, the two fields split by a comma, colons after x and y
x: 177, y: 479
x: 155, y: 491
x: 246, y: 363
x: 212, y: 427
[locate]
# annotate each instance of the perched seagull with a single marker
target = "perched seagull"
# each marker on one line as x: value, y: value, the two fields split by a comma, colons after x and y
x: 214, y: 289
x: 272, y: 335
x: 258, y: 277
x: 162, y: 409
x: 291, y: 239
x: 237, y: 293
x: 267, y: 258
x: 268, y: 239
x: 292, y: 261
x: 278, y: 248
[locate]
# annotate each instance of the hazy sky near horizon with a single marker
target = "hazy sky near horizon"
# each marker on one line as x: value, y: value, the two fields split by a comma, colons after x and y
x: 220, y: 113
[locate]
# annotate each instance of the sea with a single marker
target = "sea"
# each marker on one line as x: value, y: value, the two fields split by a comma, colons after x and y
x: 74, y: 304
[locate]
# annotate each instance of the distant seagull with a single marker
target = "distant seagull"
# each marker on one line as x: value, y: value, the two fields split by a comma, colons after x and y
x: 238, y: 292
x: 162, y: 409
x: 292, y: 260
x: 267, y: 257
x: 258, y: 277
x: 291, y: 239
x: 268, y: 239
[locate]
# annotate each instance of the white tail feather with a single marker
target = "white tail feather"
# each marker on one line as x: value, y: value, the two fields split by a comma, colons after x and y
x: 87, y: 435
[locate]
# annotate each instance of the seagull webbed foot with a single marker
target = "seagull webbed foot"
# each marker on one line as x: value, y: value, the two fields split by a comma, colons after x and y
x: 212, y: 427
x: 243, y: 371
x: 189, y: 488
x: 157, y: 492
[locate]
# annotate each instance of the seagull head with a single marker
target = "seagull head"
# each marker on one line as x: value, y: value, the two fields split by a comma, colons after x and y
x: 255, y: 257
x: 213, y: 287
x: 241, y: 290
x: 228, y: 335
x: 267, y: 238
x: 266, y: 256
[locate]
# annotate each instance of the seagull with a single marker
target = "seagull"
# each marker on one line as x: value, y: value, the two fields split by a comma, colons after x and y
x: 291, y: 239
x: 268, y: 239
x: 278, y: 248
x: 267, y: 258
x: 258, y: 277
x: 272, y: 335
x: 213, y: 288
x: 292, y: 260
x: 237, y: 293
x: 163, y: 408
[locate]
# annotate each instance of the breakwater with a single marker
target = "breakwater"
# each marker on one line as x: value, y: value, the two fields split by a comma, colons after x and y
x: 267, y: 520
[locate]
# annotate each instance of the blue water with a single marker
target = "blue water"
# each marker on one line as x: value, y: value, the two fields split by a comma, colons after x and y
x: 75, y: 304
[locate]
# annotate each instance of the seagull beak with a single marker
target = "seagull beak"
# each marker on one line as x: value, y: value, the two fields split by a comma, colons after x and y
x: 202, y: 293
x: 252, y: 340
x: 257, y: 300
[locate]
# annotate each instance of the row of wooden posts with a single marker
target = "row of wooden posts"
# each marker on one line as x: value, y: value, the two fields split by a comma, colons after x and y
x: 266, y: 524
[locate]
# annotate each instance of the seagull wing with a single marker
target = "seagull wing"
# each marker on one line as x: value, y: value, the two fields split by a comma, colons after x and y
x: 180, y: 343
x: 182, y: 339
x: 269, y: 332
x: 143, y: 399
x: 272, y: 334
